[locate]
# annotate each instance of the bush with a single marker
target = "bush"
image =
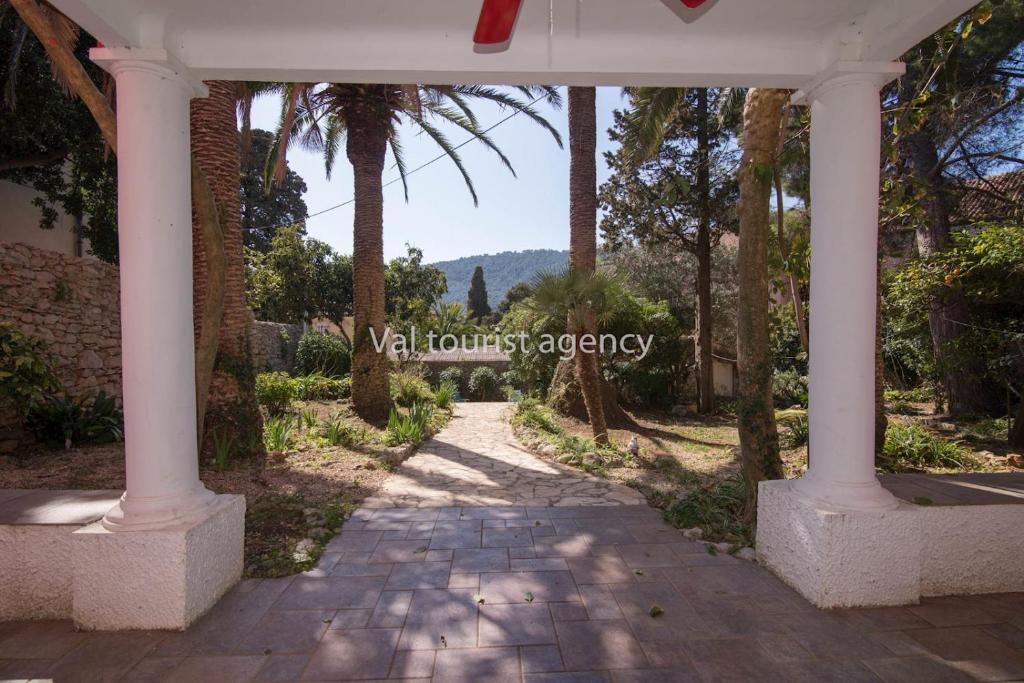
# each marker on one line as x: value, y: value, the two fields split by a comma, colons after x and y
x: 25, y: 375
x: 789, y: 388
x: 319, y: 387
x: 60, y: 420
x: 323, y: 353
x: 484, y: 384
x: 451, y: 374
x: 277, y: 433
x: 408, y: 388
x: 339, y: 433
x: 531, y: 413
x: 911, y: 446
x: 411, y: 428
x: 798, y: 432
x: 275, y: 391
x: 444, y: 395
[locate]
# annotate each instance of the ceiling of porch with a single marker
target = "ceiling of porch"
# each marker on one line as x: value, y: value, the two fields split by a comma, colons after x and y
x: 780, y: 43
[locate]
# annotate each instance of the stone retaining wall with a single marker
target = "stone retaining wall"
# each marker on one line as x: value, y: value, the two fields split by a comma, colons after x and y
x: 73, y: 305
x: 274, y: 346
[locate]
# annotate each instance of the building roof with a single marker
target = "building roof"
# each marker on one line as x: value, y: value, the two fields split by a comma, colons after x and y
x: 994, y: 198
x: 484, y: 355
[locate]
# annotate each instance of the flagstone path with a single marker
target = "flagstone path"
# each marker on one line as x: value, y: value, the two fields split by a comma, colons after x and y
x: 480, y: 564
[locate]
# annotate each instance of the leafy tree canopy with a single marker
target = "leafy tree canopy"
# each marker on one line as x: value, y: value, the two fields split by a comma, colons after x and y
x: 263, y: 212
x: 476, y: 300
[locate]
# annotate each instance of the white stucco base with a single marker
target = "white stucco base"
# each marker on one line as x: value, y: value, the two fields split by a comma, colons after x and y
x: 159, y: 579
x: 35, y: 571
x: 889, y: 557
x: 839, y: 559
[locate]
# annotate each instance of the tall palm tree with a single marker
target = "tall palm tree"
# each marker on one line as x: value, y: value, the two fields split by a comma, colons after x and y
x: 231, y: 407
x: 367, y: 118
x: 583, y: 243
x: 759, y: 438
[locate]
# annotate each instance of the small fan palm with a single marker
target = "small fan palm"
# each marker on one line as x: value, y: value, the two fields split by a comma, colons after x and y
x: 567, y: 294
x: 367, y: 119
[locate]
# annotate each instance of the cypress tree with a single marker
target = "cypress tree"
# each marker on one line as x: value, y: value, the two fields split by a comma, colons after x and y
x: 476, y: 303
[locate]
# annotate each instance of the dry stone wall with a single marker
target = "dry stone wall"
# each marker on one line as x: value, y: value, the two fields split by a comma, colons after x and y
x: 70, y: 303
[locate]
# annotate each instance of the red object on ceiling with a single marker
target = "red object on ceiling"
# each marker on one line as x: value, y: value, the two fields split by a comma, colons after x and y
x: 497, y: 17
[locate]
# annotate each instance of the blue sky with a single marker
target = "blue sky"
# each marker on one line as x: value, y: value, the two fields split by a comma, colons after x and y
x: 530, y: 211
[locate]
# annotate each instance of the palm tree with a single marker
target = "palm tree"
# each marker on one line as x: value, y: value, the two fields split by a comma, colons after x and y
x: 584, y: 299
x: 759, y: 438
x: 583, y: 242
x: 231, y: 407
x: 367, y: 117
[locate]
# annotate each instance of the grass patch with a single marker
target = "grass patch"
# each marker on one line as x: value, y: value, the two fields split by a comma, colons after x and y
x: 583, y: 452
x: 717, y: 509
x: 909, y: 446
x: 275, y: 523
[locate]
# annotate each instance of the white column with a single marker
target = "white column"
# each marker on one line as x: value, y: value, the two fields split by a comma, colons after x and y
x: 845, y: 149
x: 155, y: 239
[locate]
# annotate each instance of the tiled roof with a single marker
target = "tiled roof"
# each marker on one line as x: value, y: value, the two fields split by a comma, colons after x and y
x: 484, y: 355
x: 994, y: 198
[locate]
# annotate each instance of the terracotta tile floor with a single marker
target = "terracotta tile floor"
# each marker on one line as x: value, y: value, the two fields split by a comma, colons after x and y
x: 533, y: 594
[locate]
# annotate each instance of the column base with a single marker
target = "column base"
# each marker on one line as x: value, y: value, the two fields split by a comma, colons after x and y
x: 157, y: 578
x: 146, y: 514
x: 851, y: 497
x: 839, y: 557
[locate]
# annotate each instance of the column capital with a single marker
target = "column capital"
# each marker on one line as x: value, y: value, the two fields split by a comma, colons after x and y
x: 846, y: 72
x: 116, y: 60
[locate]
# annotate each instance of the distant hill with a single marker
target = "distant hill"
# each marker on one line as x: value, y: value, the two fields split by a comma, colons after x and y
x: 501, y: 271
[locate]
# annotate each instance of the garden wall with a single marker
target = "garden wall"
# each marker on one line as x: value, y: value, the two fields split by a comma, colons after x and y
x: 274, y: 346
x: 73, y: 305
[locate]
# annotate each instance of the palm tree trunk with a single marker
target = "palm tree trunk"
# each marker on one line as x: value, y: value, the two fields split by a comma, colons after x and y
x: 759, y: 438
x: 705, y: 363
x: 583, y: 241
x: 366, y: 146
x: 231, y: 408
x: 792, y: 286
x: 881, y: 421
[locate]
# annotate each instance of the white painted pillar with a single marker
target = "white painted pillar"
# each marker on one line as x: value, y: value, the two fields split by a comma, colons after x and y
x: 845, y: 149
x: 155, y: 239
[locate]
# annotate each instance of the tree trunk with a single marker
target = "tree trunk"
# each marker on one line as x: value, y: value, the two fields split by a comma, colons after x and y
x: 231, y: 408
x: 759, y: 438
x: 583, y: 243
x: 704, y: 338
x: 366, y: 147
x: 881, y: 421
x: 566, y: 398
x: 963, y: 382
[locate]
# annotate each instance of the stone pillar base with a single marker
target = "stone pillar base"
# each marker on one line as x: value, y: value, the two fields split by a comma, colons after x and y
x: 839, y: 558
x: 157, y: 579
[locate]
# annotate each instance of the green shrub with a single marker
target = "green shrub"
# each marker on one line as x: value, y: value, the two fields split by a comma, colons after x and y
x: 223, y: 450
x: 323, y: 353
x: 408, y: 388
x: 911, y: 446
x: 275, y: 392
x: 60, y: 420
x: 277, y: 433
x: 789, y: 388
x: 444, y: 395
x: 453, y: 374
x: 308, y: 418
x: 717, y: 509
x: 340, y: 433
x: 25, y: 375
x: 484, y: 384
x: 531, y: 413
x: 318, y: 387
x: 798, y: 431
x: 411, y: 428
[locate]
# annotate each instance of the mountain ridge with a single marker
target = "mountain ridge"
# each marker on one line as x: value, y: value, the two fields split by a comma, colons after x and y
x: 502, y: 271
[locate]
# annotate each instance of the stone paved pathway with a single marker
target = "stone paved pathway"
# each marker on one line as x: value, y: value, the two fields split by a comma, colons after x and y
x: 476, y: 460
x: 529, y: 593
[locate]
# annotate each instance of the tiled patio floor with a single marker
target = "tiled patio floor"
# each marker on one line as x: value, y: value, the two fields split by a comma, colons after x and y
x: 529, y: 594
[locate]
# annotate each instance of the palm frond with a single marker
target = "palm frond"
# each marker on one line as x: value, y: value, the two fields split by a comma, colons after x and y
x: 445, y: 144
x: 453, y: 116
x: 332, y: 138
x: 647, y: 120
x: 506, y: 101
x: 399, y: 155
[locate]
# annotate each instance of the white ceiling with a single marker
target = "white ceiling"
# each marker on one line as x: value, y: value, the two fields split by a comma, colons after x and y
x: 782, y: 43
